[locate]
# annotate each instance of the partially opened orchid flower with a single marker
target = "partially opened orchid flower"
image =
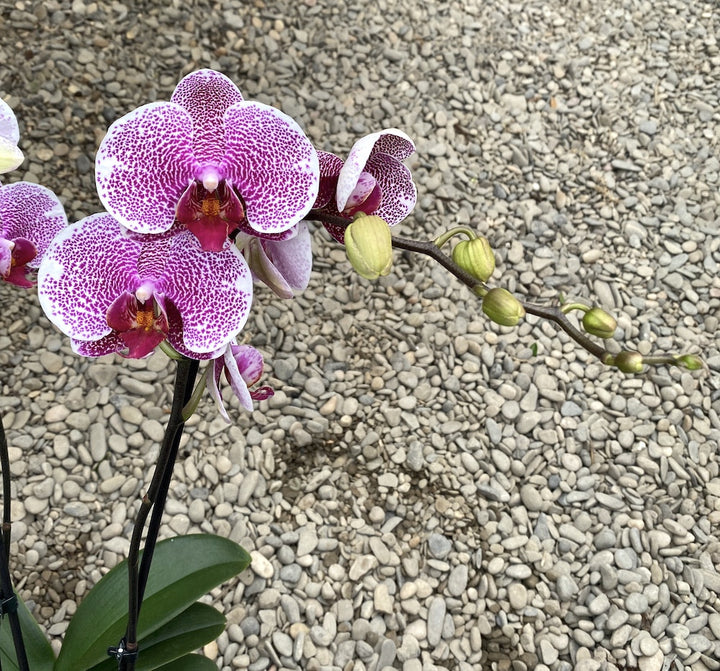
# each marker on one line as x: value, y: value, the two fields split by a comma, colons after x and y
x: 30, y: 217
x: 112, y: 292
x: 243, y: 366
x: 213, y: 160
x: 10, y: 155
x: 371, y: 180
x: 283, y: 264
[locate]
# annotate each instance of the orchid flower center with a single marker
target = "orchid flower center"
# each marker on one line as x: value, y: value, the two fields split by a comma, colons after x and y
x: 139, y: 321
x: 365, y: 197
x: 211, y: 205
x: 211, y: 210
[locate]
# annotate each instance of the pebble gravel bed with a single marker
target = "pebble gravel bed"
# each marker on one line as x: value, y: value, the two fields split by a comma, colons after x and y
x: 425, y: 490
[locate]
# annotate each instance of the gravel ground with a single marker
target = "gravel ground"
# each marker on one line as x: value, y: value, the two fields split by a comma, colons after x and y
x: 423, y: 492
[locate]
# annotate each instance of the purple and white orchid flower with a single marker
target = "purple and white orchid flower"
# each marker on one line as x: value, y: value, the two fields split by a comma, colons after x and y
x: 113, y: 292
x: 212, y: 160
x: 30, y: 217
x: 10, y: 155
x: 283, y: 264
x: 372, y: 180
x: 243, y: 366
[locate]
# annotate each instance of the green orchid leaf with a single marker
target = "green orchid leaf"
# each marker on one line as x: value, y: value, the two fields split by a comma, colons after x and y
x: 192, y: 629
x: 37, y: 648
x: 190, y: 663
x: 183, y: 569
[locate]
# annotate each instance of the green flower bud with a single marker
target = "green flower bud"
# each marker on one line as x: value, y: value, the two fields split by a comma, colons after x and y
x: 599, y: 323
x: 368, y: 244
x: 689, y: 361
x: 502, y: 307
x: 628, y: 362
x: 475, y: 257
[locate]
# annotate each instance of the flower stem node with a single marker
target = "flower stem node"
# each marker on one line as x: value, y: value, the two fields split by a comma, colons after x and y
x: 628, y: 362
x: 369, y: 246
x: 599, y: 323
x: 475, y: 257
x: 502, y: 307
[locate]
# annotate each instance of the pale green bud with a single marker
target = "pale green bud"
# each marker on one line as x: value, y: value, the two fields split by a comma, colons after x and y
x: 689, y: 361
x: 599, y: 323
x: 628, y: 362
x: 368, y: 244
x: 475, y: 257
x: 502, y: 307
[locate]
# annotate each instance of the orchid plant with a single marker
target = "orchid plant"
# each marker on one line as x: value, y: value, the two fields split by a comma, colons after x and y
x: 206, y: 195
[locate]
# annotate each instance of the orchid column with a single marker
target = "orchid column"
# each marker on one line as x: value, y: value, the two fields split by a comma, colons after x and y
x: 181, y: 181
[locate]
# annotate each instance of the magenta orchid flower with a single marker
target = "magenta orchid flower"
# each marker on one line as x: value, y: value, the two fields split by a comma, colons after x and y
x: 371, y: 180
x: 283, y: 264
x: 30, y: 217
x: 243, y: 366
x: 114, y: 292
x: 213, y: 160
x: 10, y: 155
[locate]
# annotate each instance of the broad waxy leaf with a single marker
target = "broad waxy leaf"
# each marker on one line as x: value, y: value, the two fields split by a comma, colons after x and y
x: 192, y: 629
x: 190, y: 663
x: 39, y: 653
x: 183, y: 569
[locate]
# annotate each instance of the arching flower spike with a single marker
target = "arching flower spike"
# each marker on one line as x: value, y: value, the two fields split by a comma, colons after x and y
x: 111, y: 292
x: 30, y: 217
x: 214, y: 160
x: 372, y: 180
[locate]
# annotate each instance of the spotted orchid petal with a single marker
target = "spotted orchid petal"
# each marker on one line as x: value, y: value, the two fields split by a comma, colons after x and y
x: 396, y: 186
x: 110, y: 344
x: 211, y: 291
x: 92, y: 265
x: 10, y: 155
x: 391, y: 142
x: 330, y: 167
x: 156, y: 158
x: 87, y: 266
x: 32, y: 212
x: 144, y: 164
x: 206, y: 95
x: 272, y: 164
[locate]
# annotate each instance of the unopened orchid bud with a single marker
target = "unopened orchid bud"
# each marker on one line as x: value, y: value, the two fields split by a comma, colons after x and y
x: 689, y: 361
x: 628, y: 362
x: 369, y: 246
x: 502, y: 307
x: 599, y: 323
x: 475, y: 257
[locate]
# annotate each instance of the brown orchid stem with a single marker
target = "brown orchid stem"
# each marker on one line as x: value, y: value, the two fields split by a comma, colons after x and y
x: 153, y: 500
x: 7, y: 594
x: 553, y: 313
